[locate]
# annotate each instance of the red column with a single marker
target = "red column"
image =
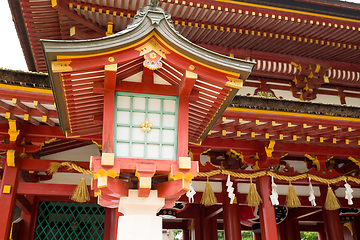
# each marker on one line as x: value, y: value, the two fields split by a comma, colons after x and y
x: 356, y: 228
x: 281, y: 231
x: 291, y: 229
x: 266, y: 210
x: 7, y: 200
x: 186, y: 232
x: 28, y: 220
x: 197, y: 227
x: 321, y: 232
x: 231, y: 217
x: 257, y: 236
x: 333, y: 225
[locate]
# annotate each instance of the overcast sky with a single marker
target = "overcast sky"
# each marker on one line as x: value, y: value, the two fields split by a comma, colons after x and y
x: 11, y: 55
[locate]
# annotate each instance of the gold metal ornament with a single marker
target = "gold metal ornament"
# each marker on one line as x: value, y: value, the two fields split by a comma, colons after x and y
x: 146, y: 126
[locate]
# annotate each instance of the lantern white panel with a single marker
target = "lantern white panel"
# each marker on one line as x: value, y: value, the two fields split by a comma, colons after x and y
x: 122, y: 149
x: 137, y: 118
x: 168, y: 136
x: 123, y: 102
x: 123, y: 117
x: 153, y: 151
x: 167, y: 152
x: 154, y: 105
x: 153, y: 136
x: 123, y: 133
x: 137, y: 135
x: 139, y: 103
x: 137, y: 150
x: 169, y: 106
x: 169, y: 121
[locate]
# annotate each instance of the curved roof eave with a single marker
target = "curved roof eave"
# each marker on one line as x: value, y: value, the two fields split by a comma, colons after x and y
x: 148, y: 19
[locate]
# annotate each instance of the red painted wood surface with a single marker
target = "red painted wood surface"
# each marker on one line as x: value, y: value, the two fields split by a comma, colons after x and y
x: 148, y: 88
x: 266, y: 210
x: 110, y: 224
x: 333, y: 225
x: 256, y: 236
x: 183, y: 126
x: 231, y: 217
x: 28, y: 221
x: 7, y: 200
x: 47, y: 189
x: 108, y: 121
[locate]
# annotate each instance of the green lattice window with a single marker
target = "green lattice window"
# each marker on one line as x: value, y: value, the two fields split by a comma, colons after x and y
x: 63, y: 220
x: 146, y: 126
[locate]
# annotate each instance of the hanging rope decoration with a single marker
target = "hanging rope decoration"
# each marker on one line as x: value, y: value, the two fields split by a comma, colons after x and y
x: 292, y: 198
x: 331, y: 202
x: 208, y: 198
x: 253, y: 198
x: 81, y: 192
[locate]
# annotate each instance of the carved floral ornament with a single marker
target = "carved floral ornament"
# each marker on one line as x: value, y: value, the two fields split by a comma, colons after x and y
x: 153, y: 52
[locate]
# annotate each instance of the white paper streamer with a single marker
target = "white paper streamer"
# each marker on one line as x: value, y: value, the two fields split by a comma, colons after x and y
x: 348, y: 193
x: 230, y: 190
x: 190, y: 194
x: 274, y: 197
x: 312, y: 194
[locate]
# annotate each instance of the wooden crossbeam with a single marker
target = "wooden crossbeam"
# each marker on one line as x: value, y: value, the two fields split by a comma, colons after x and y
x: 20, y: 105
x: 9, y: 115
x: 40, y: 107
x: 5, y: 106
x: 48, y: 121
x: 30, y: 119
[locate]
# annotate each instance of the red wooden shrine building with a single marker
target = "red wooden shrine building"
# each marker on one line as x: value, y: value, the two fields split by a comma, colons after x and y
x: 152, y: 101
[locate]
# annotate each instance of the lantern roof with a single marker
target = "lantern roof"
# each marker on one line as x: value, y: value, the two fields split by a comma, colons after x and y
x: 77, y: 71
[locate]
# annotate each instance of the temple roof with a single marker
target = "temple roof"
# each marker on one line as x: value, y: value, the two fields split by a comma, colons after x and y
x: 77, y: 68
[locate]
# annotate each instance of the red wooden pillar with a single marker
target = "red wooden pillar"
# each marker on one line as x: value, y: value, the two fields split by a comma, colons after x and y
x: 109, y: 108
x: 281, y: 231
x: 256, y: 236
x: 7, y: 198
x: 28, y: 220
x: 186, y: 232
x: 231, y: 217
x: 356, y: 228
x: 110, y: 221
x: 333, y: 225
x: 322, y: 233
x: 291, y: 229
x: 198, y: 229
x: 266, y: 210
x: 214, y: 232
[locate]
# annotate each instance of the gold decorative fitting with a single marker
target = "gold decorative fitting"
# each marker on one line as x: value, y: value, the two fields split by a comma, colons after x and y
x: 152, y: 45
x: 146, y: 126
x: 61, y: 66
x: 234, y: 83
x: 192, y: 67
x: 152, y: 55
x: 111, y: 59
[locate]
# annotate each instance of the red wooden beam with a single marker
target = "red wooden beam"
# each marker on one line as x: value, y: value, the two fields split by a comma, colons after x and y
x: 147, y: 88
x: 46, y: 189
x: 64, y: 9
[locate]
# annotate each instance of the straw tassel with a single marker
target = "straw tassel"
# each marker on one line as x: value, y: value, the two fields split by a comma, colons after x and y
x: 81, y: 193
x: 208, y: 198
x: 331, y: 202
x: 292, y: 200
x: 253, y: 198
